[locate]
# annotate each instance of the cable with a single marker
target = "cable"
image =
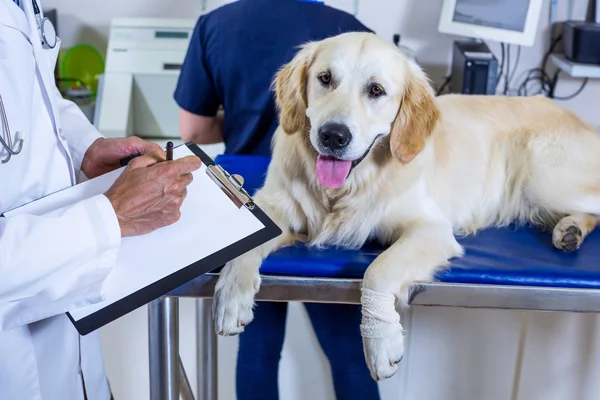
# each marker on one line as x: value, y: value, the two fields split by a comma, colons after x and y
x: 539, y: 75
x: 518, y: 58
x: 443, y: 85
x: 575, y: 94
x: 553, y: 83
x: 547, y: 83
x: 507, y: 73
x: 552, y: 46
x: 535, y: 75
x: 501, y: 70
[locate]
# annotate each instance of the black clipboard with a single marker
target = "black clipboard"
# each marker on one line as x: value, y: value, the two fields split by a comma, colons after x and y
x: 232, y: 186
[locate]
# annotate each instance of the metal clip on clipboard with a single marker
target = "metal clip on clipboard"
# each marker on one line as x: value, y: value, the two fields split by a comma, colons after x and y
x: 231, y: 185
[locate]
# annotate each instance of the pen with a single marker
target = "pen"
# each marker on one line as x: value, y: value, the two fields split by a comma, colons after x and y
x: 125, y: 161
x: 169, y: 151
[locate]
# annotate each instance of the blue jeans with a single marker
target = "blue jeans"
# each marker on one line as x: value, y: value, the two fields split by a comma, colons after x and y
x: 337, y: 327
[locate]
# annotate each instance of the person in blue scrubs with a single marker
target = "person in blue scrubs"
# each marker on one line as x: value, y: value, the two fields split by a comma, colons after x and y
x: 232, y: 58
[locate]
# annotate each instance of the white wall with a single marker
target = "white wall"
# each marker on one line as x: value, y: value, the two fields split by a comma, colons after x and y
x: 453, y: 353
x: 416, y: 20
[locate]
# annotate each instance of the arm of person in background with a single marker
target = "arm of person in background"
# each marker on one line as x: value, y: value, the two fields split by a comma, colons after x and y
x: 196, y: 95
x: 200, y: 129
x: 50, y: 264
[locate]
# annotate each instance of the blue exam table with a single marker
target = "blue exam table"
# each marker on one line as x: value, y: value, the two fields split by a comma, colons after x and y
x: 502, y: 268
x: 524, y: 256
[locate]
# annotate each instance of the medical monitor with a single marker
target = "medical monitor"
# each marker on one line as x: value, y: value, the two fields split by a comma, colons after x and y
x: 508, y: 21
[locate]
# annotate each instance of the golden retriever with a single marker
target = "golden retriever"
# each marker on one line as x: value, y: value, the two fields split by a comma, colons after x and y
x: 366, y: 151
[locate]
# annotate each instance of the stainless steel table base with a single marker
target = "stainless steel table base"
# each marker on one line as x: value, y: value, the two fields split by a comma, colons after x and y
x: 167, y: 374
x: 206, y: 340
x: 184, y: 383
x: 164, y: 329
x: 163, y: 341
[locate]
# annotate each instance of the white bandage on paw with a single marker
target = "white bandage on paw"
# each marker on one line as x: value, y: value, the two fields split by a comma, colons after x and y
x: 379, y: 316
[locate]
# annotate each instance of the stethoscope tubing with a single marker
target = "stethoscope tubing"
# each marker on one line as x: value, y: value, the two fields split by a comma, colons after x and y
x: 7, y: 144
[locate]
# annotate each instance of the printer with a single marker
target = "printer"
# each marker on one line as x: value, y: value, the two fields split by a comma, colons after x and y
x: 135, y: 93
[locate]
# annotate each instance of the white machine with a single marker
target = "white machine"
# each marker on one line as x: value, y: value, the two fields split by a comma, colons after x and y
x: 509, y: 21
x: 143, y: 62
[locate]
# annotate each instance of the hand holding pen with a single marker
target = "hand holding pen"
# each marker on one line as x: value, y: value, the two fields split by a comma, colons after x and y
x: 149, y: 193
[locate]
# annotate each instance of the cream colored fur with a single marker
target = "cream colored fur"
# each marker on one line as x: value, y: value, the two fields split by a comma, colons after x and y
x: 444, y: 166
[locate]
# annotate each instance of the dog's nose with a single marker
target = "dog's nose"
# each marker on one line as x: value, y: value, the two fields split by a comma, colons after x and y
x: 334, y: 136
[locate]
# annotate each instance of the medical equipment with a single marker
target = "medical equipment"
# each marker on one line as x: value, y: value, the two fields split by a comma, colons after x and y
x: 507, y: 21
x: 474, y: 68
x: 46, y: 28
x: 52, y: 15
x: 135, y: 94
x: 7, y: 144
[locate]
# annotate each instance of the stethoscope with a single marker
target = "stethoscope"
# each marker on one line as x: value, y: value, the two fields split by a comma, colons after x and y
x: 7, y: 144
x: 49, y: 39
x: 47, y: 31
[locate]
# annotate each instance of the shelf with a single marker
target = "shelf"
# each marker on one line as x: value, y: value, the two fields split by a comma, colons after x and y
x: 574, y: 69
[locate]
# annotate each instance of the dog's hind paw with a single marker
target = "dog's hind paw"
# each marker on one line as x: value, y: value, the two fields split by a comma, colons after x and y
x: 567, y: 236
x: 383, y: 355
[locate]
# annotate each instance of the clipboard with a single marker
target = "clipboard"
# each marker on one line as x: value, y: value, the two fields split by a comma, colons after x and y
x: 234, y: 226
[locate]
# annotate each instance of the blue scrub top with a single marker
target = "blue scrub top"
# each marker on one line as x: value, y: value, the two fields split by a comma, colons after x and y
x: 232, y: 58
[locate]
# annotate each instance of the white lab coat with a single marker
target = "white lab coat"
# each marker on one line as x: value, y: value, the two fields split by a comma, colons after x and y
x: 48, y: 265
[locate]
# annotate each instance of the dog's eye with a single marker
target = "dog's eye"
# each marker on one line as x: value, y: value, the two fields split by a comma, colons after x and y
x: 376, y: 90
x: 325, y: 78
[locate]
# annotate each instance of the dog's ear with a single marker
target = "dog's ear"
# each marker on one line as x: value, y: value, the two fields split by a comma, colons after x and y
x: 416, y: 117
x: 290, y: 90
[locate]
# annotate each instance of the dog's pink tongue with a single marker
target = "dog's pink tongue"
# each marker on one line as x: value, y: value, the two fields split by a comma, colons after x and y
x: 332, y: 172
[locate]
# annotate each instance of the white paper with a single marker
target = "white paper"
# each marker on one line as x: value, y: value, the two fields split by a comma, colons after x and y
x: 209, y: 222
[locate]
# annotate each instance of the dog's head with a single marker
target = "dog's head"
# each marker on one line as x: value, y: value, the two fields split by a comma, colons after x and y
x: 348, y: 91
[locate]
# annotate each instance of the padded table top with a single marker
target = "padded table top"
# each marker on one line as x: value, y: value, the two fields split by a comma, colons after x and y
x: 518, y: 256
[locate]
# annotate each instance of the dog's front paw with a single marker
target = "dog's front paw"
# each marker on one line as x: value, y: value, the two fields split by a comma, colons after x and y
x: 383, y: 337
x: 234, y: 298
x: 383, y: 355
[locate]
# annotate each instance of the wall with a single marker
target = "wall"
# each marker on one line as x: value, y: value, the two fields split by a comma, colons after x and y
x: 416, y: 20
x: 453, y: 353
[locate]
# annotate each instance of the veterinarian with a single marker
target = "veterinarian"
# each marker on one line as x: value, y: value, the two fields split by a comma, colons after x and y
x: 233, y: 56
x: 51, y: 264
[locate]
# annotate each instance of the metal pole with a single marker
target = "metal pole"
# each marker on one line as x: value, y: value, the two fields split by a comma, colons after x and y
x: 207, y: 351
x: 186, y: 389
x: 163, y: 334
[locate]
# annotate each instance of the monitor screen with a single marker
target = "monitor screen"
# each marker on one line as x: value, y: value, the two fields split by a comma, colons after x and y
x: 501, y: 14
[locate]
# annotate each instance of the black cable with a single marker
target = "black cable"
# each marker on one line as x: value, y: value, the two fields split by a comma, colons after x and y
x: 539, y: 75
x: 553, y: 83
x: 571, y: 96
x: 443, y: 85
x: 535, y: 76
x: 552, y: 46
x: 531, y: 77
x: 507, y: 73
x: 501, y: 70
